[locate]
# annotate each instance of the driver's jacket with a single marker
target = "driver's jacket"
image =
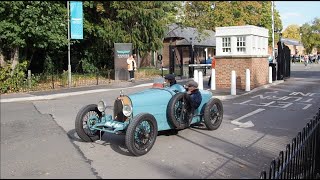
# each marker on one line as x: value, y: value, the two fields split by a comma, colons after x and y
x: 194, y: 98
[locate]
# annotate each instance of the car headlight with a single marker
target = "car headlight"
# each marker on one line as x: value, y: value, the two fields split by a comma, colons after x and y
x: 102, y: 106
x: 127, y: 110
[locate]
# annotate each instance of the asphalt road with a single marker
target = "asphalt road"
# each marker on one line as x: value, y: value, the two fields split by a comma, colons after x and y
x: 38, y: 139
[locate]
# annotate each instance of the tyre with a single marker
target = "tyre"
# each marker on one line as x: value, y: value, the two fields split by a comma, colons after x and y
x: 141, y: 134
x: 177, y: 114
x: 213, y: 114
x: 83, y: 123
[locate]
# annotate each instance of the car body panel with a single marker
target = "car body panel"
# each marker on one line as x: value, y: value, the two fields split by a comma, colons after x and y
x: 155, y: 102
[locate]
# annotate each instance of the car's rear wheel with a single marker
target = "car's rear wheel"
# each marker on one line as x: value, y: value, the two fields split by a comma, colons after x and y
x: 86, y: 118
x: 177, y: 113
x: 141, y: 134
x: 213, y: 114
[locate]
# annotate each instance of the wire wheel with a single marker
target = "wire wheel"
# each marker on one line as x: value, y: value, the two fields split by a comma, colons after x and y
x: 141, y: 134
x: 86, y: 118
x: 213, y: 114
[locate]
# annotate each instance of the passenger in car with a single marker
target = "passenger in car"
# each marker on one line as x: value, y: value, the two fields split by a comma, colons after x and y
x: 192, y: 97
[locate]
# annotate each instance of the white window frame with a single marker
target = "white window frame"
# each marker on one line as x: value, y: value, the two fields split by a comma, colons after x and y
x: 226, y: 44
x: 241, y: 44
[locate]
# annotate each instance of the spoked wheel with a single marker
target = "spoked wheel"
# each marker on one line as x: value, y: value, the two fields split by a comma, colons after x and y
x: 141, y: 134
x: 213, y: 114
x: 177, y: 113
x: 86, y: 118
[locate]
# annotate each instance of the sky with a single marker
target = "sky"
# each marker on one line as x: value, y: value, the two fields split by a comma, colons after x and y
x: 297, y: 12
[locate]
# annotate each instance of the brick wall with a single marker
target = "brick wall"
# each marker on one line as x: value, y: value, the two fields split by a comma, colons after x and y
x: 258, y: 66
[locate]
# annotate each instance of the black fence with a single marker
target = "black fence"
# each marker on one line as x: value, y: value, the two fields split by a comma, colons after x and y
x: 301, y: 160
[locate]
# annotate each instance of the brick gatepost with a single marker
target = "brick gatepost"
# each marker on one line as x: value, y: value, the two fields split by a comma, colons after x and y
x: 258, y: 66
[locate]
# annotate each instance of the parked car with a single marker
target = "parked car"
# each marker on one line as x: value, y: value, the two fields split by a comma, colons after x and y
x: 141, y: 115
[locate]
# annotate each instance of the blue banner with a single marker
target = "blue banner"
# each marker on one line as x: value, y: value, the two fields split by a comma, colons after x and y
x: 76, y: 15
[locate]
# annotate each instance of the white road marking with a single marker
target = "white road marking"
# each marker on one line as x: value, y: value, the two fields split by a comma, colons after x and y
x: 248, y: 123
x: 243, y: 102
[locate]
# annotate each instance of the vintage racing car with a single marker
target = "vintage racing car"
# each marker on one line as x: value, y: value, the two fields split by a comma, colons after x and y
x: 141, y: 115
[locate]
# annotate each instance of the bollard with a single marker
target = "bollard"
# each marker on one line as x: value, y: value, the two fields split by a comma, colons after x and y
x: 200, y: 80
x: 247, y: 79
x: 29, y: 79
x: 196, y: 76
x: 270, y: 74
x: 213, y: 79
x: 233, y: 83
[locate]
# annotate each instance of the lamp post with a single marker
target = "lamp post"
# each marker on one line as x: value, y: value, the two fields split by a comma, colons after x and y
x: 69, y: 66
x: 272, y: 16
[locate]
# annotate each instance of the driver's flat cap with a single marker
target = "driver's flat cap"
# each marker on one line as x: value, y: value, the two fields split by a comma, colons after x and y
x: 169, y: 77
x: 192, y: 84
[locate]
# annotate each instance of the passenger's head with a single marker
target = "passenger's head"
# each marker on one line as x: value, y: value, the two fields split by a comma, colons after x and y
x: 191, y: 85
x: 170, y: 78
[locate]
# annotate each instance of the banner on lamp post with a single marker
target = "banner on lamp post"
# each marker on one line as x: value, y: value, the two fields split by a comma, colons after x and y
x: 76, y: 14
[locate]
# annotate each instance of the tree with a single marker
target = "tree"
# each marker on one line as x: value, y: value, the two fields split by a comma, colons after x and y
x: 32, y: 26
x: 292, y: 32
x: 212, y: 14
x: 311, y: 35
x: 139, y: 22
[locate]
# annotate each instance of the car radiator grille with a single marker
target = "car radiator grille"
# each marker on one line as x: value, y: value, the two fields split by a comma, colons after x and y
x: 117, y: 111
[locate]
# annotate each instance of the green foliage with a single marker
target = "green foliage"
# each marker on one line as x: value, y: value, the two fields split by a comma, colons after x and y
x: 212, y: 14
x: 13, y: 82
x: 311, y: 35
x: 88, y: 67
x: 33, y: 27
x: 292, y: 32
x: 48, y: 65
x: 64, y: 78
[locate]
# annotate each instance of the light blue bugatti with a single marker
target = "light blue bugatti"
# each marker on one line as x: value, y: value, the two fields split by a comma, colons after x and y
x: 141, y: 115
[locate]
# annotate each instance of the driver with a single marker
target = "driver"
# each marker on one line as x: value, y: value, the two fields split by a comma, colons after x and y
x: 192, y: 97
x: 170, y: 79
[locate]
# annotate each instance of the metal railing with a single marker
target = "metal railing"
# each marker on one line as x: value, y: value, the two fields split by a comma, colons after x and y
x: 301, y: 160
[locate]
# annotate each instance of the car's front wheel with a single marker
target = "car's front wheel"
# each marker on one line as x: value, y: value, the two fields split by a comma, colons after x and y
x: 86, y: 118
x: 141, y: 134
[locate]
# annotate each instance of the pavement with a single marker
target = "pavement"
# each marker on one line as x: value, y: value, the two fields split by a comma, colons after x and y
x: 219, y: 93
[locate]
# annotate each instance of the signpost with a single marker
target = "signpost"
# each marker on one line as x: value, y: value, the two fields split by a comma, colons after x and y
x: 76, y: 12
x: 122, y: 52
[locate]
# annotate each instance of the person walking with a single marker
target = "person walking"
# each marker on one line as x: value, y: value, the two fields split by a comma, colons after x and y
x: 306, y: 59
x: 132, y: 66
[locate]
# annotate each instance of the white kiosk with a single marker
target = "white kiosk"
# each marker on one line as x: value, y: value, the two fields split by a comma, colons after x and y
x: 239, y: 48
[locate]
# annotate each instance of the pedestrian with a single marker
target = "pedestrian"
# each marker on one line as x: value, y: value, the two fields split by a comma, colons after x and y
x: 213, y: 66
x: 306, y: 59
x: 192, y: 97
x: 132, y: 66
